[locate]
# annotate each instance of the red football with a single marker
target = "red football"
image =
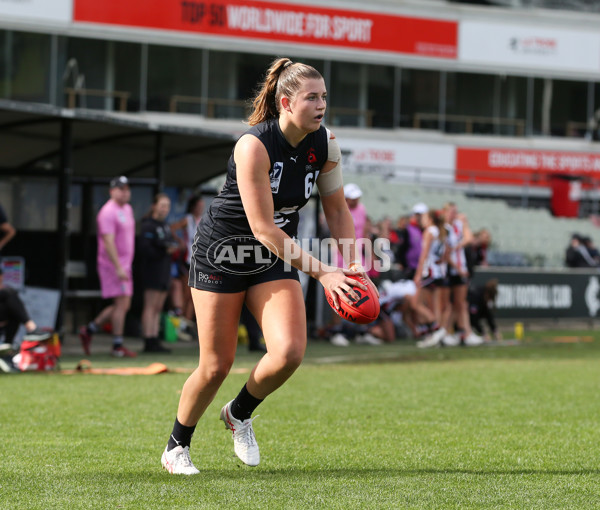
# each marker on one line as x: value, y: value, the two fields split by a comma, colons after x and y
x: 362, y: 311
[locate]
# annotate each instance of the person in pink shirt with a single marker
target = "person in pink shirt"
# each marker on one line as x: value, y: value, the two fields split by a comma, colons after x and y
x: 116, y: 247
x: 358, y: 211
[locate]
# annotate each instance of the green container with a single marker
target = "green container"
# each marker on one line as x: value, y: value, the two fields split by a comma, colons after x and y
x: 169, y: 328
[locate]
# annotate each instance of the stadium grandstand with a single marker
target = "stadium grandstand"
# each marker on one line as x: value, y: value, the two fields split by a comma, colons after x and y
x: 494, y: 105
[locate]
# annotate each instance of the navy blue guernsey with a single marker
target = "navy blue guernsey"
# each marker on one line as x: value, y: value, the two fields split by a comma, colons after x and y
x: 293, y: 173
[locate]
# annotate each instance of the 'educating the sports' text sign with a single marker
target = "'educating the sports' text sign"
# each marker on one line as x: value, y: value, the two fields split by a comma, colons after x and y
x: 281, y: 22
x: 513, y: 166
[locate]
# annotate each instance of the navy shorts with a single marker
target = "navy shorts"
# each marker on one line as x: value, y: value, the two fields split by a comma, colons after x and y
x: 433, y: 283
x: 206, y: 277
x: 454, y: 280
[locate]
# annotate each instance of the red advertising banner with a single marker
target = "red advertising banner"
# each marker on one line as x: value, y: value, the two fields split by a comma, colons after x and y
x: 280, y: 22
x: 520, y: 166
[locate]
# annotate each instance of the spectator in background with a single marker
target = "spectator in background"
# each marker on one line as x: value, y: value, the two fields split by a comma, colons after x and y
x: 398, y: 236
x: 352, y: 194
x: 430, y: 274
x: 12, y: 314
x: 374, y: 260
x: 7, y: 231
x: 184, y: 231
x: 577, y: 254
x: 476, y: 250
x: 482, y: 303
x: 156, y: 246
x: 409, y: 246
x: 116, y: 248
x: 456, y: 309
x: 592, y: 250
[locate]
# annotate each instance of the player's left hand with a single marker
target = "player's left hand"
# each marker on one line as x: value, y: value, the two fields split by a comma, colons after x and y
x: 357, y: 268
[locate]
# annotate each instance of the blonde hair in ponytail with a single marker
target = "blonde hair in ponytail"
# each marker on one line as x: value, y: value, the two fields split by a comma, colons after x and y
x: 283, y: 78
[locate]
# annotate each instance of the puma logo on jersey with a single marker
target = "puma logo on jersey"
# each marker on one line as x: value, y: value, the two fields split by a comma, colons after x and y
x: 275, y: 176
x: 294, y: 158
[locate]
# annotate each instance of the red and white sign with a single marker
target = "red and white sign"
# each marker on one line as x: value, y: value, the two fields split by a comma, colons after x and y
x: 517, y: 166
x: 37, y: 10
x: 532, y: 47
x: 280, y: 22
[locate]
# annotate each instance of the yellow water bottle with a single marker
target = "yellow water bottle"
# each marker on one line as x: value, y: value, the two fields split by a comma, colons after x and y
x: 519, y: 330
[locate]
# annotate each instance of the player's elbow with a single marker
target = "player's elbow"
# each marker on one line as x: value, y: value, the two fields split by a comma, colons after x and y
x: 263, y: 232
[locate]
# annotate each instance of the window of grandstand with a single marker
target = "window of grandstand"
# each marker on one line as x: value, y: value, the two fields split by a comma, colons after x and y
x: 560, y: 108
x: 486, y: 104
x: 361, y: 95
x: 420, y: 99
x: 569, y: 109
x: 174, y: 72
x: 4, y: 48
x: 123, y: 76
x: 238, y: 74
x: 380, y: 95
x: 25, y: 66
x: 594, y: 125
x: 98, y: 74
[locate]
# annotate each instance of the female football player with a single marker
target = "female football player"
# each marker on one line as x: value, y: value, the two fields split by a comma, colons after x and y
x: 239, y: 251
x: 431, y: 273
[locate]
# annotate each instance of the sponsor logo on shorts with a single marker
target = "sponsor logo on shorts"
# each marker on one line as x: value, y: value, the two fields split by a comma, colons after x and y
x: 241, y: 255
x: 211, y: 279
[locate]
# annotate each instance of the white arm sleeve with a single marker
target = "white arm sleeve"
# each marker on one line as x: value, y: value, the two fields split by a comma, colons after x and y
x: 332, y: 180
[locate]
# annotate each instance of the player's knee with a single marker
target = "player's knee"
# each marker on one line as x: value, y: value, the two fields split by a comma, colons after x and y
x: 216, y: 372
x: 291, y: 358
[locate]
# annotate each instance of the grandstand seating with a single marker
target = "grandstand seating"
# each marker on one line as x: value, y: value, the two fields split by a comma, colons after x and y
x: 518, y: 234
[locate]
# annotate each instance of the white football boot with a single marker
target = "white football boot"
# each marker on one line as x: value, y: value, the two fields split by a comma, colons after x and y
x: 178, y: 461
x: 450, y: 340
x: 433, y: 339
x: 244, y: 441
x: 339, y: 340
x: 473, y: 340
x: 368, y: 339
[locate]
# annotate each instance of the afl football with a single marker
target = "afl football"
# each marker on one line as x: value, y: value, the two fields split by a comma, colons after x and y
x: 361, y: 311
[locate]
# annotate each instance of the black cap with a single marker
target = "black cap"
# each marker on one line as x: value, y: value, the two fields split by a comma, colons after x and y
x: 119, y: 182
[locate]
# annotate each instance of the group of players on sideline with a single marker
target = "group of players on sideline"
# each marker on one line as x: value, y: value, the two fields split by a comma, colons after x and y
x: 428, y: 294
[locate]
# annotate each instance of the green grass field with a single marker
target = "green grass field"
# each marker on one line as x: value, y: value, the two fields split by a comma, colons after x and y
x: 360, y: 427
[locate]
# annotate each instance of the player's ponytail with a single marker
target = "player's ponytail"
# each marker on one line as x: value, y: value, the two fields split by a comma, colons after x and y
x: 283, y: 78
x: 438, y: 220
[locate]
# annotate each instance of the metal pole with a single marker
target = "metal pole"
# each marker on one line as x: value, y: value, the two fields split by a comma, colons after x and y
x: 143, y: 77
x: 64, y: 206
x: 159, y: 162
x: 442, y: 100
x: 397, y: 108
x: 529, y: 107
